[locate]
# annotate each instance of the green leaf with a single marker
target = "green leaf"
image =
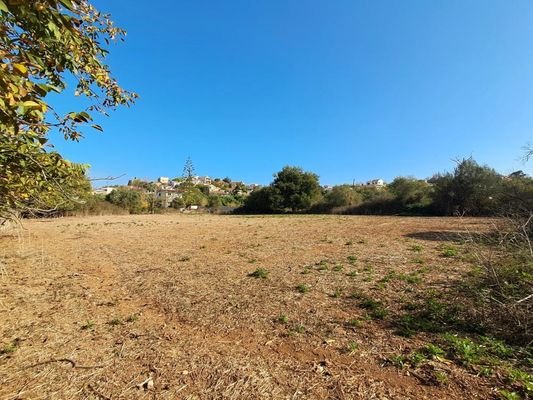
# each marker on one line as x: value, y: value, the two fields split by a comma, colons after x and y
x: 98, y: 127
x: 67, y: 3
x: 47, y: 87
x: 3, y: 7
x: 54, y: 30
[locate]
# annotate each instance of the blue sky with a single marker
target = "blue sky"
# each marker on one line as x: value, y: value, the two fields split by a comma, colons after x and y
x: 347, y: 89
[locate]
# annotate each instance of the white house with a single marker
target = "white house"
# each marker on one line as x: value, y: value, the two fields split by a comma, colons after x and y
x: 201, y: 180
x: 166, y: 196
x: 103, y: 190
x: 376, y: 183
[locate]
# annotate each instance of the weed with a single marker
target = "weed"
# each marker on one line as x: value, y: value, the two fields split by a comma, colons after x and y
x: 361, y: 241
x: 390, y: 275
x: 302, y: 288
x: 430, y: 315
x: 348, y: 243
x: 449, y: 251
x: 379, y: 313
x: 411, y: 360
x: 298, y: 328
x: 433, y: 351
x: 369, y: 269
x: 322, y: 265
x: 259, y: 273
x: 9, y: 348
x: 352, y: 274
x: 414, y: 359
x: 283, y: 319
x: 115, y: 322
x: 355, y: 323
x: 418, y: 260
x: 467, y: 352
x: 506, y: 395
x: 496, y: 347
x: 132, y: 318
x: 521, y: 380
x: 398, y: 361
x: 376, y: 308
x: 441, y: 377
x: 412, y: 278
x: 337, y: 267
x: 358, y: 295
x: 337, y: 293
x: 416, y: 248
x: 352, y: 259
x: 184, y: 259
x: 352, y: 347
x: 88, y: 325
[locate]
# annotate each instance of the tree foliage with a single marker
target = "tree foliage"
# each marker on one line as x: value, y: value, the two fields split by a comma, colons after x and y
x: 411, y: 193
x: 188, y: 170
x: 342, y: 196
x: 42, y: 44
x: 471, y: 189
x: 295, y: 189
x: 194, y: 197
x: 134, y: 201
x: 261, y: 201
x: 292, y: 189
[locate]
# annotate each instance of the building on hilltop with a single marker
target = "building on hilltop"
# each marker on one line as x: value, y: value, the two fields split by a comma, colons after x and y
x: 165, y: 196
x: 103, y: 190
x: 378, y: 183
x: 201, y: 180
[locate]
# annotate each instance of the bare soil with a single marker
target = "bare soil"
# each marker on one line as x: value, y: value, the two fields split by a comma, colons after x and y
x: 163, y: 307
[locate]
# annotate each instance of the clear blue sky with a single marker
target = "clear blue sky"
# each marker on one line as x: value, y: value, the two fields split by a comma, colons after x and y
x: 347, y: 89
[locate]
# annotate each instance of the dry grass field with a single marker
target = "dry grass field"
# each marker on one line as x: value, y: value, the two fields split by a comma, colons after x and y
x: 169, y: 307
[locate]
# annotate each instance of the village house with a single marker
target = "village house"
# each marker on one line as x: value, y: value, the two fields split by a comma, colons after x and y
x: 201, y: 180
x: 378, y: 183
x: 104, y: 190
x: 166, y: 196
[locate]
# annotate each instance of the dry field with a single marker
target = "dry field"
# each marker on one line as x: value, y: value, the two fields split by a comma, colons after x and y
x: 163, y: 307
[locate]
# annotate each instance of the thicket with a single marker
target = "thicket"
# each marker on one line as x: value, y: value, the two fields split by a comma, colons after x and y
x: 470, y: 190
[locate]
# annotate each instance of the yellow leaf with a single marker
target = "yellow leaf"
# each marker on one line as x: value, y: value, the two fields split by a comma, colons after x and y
x: 32, y: 104
x: 21, y: 68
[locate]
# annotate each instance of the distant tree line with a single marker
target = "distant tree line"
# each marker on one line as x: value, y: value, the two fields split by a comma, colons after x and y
x: 470, y: 189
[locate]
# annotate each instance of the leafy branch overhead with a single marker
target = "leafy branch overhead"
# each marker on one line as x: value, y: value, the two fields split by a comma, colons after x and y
x: 42, y: 44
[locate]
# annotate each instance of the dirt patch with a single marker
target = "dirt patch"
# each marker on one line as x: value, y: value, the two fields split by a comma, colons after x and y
x: 94, y: 307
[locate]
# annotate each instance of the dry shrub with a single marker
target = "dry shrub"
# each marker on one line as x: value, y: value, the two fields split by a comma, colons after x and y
x: 503, y: 286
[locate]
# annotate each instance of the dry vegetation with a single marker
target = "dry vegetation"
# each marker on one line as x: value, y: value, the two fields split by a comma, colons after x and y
x: 220, y: 307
